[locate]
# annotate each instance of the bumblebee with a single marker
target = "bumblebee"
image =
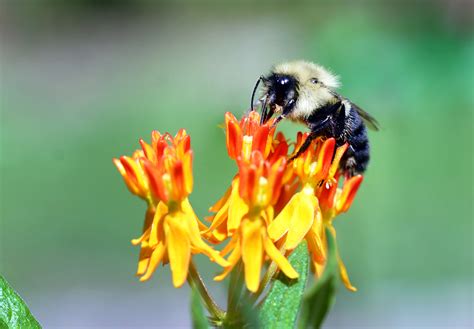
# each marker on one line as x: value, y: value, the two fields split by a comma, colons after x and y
x: 306, y: 92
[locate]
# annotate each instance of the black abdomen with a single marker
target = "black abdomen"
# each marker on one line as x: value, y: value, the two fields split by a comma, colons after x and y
x: 357, y: 156
x: 345, y: 125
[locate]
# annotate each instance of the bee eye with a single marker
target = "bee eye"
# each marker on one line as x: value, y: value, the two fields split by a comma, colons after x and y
x: 314, y: 80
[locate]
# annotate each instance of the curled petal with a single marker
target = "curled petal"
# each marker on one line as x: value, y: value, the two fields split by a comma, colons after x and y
x: 344, y: 275
x: 155, y: 259
x: 233, y: 259
x: 222, y: 201
x: 279, y: 259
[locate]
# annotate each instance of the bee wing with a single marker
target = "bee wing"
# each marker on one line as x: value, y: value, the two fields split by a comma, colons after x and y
x: 369, y: 120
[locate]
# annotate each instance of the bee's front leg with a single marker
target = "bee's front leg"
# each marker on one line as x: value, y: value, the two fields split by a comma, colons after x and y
x: 286, y: 110
x: 315, y: 132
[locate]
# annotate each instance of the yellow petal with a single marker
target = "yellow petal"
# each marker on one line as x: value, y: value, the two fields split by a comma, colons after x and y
x: 252, y: 252
x: 196, y: 241
x: 233, y: 243
x: 219, y: 218
x: 237, y: 210
x: 279, y: 259
x: 179, y: 247
x: 143, y: 260
x: 155, y: 259
x: 302, y: 219
x: 344, y: 275
x: 282, y: 222
x: 155, y: 234
x: 143, y: 237
x: 233, y: 259
x: 314, y: 239
x: 222, y: 201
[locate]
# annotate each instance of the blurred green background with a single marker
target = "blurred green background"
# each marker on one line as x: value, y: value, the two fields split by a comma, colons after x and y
x: 82, y: 81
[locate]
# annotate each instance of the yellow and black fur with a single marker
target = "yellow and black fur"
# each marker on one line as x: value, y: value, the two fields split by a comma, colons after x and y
x: 305, y: 92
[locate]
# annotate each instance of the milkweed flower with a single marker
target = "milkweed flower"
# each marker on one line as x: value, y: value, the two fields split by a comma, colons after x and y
x: 247, y: 207
x: 311, y: 210
x: 242, y: 138
x: 161, y: 173
x: 333, y: 202
x: 258, y: 186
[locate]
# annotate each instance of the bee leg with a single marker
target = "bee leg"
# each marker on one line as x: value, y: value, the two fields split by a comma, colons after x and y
x: 349, y: 164
x: 286, y: 110
x: 278, y: 119
x: 305, y: 146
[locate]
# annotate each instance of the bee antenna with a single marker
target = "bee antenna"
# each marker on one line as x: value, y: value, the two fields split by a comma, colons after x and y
x: 261, y: 78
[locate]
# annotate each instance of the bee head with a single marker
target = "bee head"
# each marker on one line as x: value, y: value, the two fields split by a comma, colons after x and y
x: 282, y: 89
x: 315, y: 86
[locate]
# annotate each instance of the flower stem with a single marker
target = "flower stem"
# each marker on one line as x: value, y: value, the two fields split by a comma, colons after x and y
x: 272, y: 269
x: 195, y: 280
x: 235, y: 288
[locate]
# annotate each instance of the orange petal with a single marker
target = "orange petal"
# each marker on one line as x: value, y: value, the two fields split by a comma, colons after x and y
x: 348, y: 194
x: 179, y: 247
x: 148, y: 151
x: 325, y: 157
x: 279, y: 259
x: 337, y: 158
x: 233, y: 136
x: 154, y: 175
x: 252, y: 252
x: 260, y: 138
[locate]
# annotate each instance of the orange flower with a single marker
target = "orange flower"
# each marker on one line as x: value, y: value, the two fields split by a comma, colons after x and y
x: 258, y: 185
x: 335, y: 201
x: 312, y: 209
x: 162, y: 174
x: 247, y: 135
x: 243, y: 138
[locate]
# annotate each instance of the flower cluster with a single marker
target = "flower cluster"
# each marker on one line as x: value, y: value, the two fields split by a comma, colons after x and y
x: 272, y: 205
x: 161, y: 173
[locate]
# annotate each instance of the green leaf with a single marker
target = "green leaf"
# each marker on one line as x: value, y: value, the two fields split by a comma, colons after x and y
x: 13, y: 311
x: 319, y: 299
x: 281, y: 306
x: 197, y: 312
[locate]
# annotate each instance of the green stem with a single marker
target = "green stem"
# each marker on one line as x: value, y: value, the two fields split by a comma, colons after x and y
x: 195, y: 280
x: 235, y: 288
x: 272, y: 269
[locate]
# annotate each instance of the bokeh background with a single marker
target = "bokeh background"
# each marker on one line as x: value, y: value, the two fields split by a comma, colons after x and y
x: 82, y: 81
